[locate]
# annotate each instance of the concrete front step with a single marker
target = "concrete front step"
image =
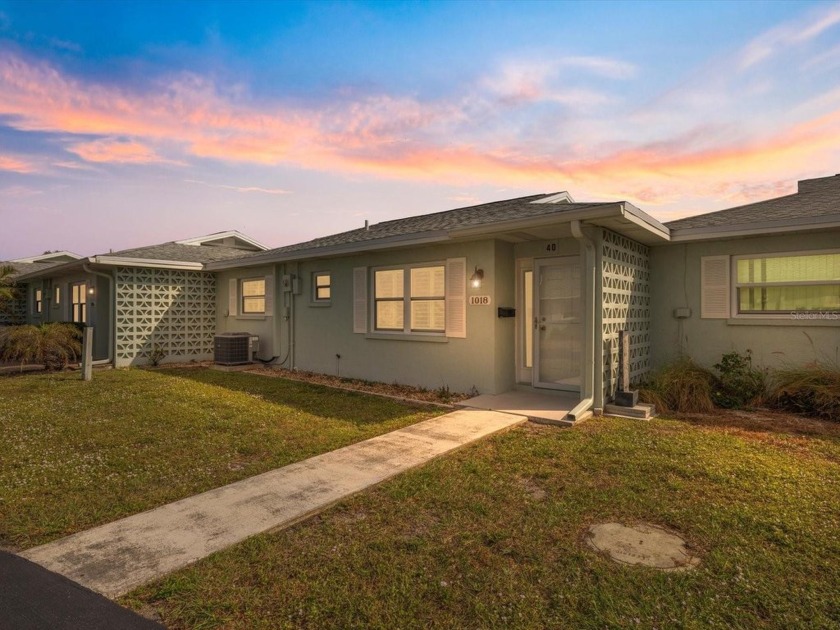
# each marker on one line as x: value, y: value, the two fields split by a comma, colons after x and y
x: 642, y: 411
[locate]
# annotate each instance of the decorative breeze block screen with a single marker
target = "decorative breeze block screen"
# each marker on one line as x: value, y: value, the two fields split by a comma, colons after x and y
x: 625, y: 272
x: 13, y: 311
x: 173, y: 310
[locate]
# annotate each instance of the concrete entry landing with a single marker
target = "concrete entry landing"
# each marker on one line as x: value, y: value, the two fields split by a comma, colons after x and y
x: 115, y: 558
x: 551, y: 407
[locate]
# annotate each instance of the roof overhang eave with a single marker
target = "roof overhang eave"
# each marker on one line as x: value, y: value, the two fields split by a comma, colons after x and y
x: 122, y: 261
x: 588, y: 215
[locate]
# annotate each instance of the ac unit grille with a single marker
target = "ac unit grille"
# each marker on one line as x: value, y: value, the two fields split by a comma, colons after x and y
x: 232, y: 348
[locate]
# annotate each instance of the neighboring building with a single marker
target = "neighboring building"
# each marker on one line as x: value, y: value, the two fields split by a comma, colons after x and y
x: 395, y: 302
x: 138, y: 300
x: 763, y: 276
x: 14, y: 312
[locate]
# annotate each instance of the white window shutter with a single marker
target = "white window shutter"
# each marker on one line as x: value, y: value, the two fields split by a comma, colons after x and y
x: 360, y: 299
x: 269, y: 296
x: 456, y: 297
x: 714, y: 287
x: 233, y: 297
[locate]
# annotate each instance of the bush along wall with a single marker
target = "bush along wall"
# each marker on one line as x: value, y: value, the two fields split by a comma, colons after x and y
x: 735, y: 383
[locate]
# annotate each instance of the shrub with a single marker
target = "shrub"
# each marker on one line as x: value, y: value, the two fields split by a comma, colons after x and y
x: 54, y: 345
x: 813, y: 390
x: 156, y: 355
x: 682, y: 386
x: 739, y: 384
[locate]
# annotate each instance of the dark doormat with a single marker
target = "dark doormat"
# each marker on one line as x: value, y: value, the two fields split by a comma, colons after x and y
x: 33, y: 598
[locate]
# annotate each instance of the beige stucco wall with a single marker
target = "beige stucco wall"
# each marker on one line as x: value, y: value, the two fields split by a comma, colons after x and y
x: 675, y: 282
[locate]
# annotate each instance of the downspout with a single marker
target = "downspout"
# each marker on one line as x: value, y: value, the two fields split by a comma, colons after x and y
x: 582, y: 409
x: 112, y: 315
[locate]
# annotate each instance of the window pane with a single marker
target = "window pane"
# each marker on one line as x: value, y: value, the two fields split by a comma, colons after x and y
x: 428, y: 315
x: 253, y: 287
x: 389, y: 315
x: 389, y: 283
x: 323, y: 293
x: 58, y: 295
x: 790, y: 268
x: 427, y: 282
x: 529, y: 316
x: 322, y: 280
x: 253, y: 305
x: 788, y: 299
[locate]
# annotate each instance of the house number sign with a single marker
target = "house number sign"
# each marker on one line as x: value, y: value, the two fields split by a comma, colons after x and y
x: 480, y: 300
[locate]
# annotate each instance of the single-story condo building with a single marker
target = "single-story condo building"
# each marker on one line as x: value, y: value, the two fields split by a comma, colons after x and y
x: 158, y: 298
x: 522, y: 293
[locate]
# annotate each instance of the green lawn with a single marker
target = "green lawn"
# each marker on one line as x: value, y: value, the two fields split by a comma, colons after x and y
x: 75, y: 454
x: 491, y: 536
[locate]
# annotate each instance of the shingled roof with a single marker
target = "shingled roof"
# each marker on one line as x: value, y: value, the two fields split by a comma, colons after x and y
x: 487, y: 213
x: 814, y: 199
x: 181, y: 252
x: 21, y: 268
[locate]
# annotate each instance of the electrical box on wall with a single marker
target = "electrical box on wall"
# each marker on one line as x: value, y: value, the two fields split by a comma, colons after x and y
x: 286, y: 283
x: 682, y: 312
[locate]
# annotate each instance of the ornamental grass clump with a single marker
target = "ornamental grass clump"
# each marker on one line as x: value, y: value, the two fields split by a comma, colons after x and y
x: 683, y: 387
x: 52, y: 345
x: 813, y: 390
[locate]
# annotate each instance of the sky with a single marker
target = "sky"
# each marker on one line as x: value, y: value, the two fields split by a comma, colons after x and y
x: 125, y: 124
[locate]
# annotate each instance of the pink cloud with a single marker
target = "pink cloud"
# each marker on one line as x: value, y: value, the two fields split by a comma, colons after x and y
x: 16, y: 165
x: 460, y: 140
x: 115, y: 151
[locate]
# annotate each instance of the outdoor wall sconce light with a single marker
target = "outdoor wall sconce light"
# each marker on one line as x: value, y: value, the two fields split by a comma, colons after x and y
x: 91, y: 291
x: 476, y: 278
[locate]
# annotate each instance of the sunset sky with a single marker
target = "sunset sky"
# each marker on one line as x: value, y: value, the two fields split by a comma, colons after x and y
x: 131, y: 123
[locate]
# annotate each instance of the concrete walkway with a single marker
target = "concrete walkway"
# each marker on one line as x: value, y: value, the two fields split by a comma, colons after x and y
x: 120, y: 556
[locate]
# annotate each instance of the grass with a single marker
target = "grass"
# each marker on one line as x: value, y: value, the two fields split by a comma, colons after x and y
x: 74, y: 455
x: 491, y: 536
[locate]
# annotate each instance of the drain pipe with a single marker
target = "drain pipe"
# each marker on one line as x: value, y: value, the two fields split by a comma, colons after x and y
x: 582, y: 409
x: 112, y: 315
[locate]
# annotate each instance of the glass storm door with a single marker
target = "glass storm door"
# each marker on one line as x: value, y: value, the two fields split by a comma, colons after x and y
x: 558, y: 326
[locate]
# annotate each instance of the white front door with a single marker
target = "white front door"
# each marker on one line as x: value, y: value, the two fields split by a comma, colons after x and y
x: 558, y: 325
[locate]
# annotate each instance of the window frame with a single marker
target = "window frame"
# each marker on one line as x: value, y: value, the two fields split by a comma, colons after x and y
x: 407, y: 300
x: 735, y: 285
x: 38, y: 301
x: 82, y: 305
x: 315, y: 287
x: 242, y: 296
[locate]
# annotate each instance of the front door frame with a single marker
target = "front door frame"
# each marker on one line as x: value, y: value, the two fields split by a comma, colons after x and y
x: 536, y: 381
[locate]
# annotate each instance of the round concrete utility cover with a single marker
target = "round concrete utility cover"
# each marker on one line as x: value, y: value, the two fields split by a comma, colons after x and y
x: 644, y: 544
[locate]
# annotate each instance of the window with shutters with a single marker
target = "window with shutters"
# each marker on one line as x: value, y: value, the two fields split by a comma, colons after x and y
x: 787, y: 283
x: 410, y: 299
x: 253, y: 296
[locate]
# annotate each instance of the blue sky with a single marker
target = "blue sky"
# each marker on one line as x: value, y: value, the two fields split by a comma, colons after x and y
x: 123, y: 124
